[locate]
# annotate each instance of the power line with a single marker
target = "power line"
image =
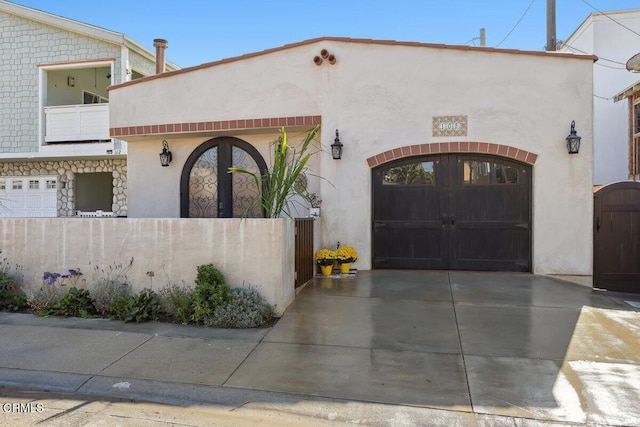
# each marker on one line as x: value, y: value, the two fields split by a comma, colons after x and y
x: 598, y: 10
x: 517, y: 23
x: 609, y: 66
x: 588, y: 53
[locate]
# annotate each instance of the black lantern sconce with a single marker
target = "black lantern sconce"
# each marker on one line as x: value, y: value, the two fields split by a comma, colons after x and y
x: 336, y: 147
x: 165, y: 156
x: 573, y: 140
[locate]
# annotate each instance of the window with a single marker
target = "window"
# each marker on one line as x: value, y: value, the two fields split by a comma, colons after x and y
x: 417, y: 173
x: 34, y: 184
x: 3, y: 184
x: 636, y: 117
x: 51, y: 184
x: 486, y: 172
x: 17, y: 185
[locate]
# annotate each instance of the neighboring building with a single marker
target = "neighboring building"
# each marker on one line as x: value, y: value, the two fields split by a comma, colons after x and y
x: 56, y: 154
x: 605, y: 35
x: 481, y: 131
x: 632, y: 94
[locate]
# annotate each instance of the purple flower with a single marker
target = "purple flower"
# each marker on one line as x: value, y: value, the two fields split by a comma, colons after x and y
x: 73, y: 272
x: 50, y: 278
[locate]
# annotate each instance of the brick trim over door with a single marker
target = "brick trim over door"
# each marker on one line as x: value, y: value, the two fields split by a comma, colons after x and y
x: 220, y: 125
x: 453, y: 147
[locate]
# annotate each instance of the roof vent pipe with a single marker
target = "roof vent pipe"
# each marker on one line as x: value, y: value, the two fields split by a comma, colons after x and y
x: 160, y: 45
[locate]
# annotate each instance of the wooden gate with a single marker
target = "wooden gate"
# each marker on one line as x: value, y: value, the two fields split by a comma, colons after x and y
x: 304, y: 250
x: 616, y: 241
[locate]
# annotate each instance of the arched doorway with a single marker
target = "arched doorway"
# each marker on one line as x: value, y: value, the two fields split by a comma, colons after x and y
x: 208, y: 190
x: 458, y: 211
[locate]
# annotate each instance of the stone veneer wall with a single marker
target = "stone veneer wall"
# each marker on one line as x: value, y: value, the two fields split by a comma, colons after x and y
x: 65, y: 171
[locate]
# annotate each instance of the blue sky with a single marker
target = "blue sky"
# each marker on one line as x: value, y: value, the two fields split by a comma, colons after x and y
x: 201, y: 31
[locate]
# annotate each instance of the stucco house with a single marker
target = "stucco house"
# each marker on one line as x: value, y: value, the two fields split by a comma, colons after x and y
x: 605, y: 35
x: 454, y: 157
x: 56, y: 154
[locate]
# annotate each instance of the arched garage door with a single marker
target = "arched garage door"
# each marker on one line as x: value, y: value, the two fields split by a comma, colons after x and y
x: 452, y: 211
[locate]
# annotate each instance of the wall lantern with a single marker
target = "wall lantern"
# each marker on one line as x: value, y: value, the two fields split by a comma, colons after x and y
x: 165, y: 156
x: 573, y: 140
x: 336, y: 147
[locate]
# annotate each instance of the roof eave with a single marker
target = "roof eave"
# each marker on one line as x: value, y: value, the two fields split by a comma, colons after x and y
x: 628, y: 92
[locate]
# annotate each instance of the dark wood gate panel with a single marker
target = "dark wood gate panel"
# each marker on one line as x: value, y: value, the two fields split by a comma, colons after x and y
x: 453, y: 211
x: 616, y: 241
x: 303, y: 250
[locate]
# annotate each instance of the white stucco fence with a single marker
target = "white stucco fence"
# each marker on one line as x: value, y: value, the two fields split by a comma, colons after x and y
x: 255, y: 252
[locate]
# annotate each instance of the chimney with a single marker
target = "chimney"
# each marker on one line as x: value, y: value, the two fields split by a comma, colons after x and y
x: 160, y: 46
x: 483, y: 37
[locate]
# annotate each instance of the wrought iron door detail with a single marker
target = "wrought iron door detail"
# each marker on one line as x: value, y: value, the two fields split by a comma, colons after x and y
x: 203, y: 186
x: 208, y: 190
x: 245, y: 193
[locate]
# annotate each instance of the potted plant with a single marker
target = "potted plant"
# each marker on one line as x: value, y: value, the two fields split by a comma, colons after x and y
x: 325, y: 259
x: 345, y: 256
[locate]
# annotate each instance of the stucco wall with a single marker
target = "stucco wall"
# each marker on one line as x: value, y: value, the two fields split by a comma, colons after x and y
x: 380, y: 97
x: 251, y: 252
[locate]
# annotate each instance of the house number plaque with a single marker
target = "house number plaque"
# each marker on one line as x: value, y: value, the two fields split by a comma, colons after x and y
x: 449, y: 126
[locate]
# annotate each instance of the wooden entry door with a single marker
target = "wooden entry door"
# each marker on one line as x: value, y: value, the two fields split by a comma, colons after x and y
x: 616, y: 241
x: 454, y: 211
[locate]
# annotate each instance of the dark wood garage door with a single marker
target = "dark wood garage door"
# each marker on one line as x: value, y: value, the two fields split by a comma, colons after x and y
x: 616, y: 242
x: 454, y: 211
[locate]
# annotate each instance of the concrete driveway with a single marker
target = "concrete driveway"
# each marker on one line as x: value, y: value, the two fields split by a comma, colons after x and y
x: 378, y: 348
x: 506, y: 344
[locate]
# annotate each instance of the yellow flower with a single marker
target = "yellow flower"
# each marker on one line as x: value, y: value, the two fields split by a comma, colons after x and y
x: 325, y: 257
x: 346, y: 254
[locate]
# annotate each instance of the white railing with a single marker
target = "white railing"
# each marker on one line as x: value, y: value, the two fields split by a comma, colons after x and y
x: 88, y: 122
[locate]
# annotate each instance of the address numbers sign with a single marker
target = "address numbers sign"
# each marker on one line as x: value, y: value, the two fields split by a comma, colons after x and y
x: 450, y: 126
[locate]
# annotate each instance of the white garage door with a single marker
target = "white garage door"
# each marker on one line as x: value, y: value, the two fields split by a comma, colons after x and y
x: 28, y: 196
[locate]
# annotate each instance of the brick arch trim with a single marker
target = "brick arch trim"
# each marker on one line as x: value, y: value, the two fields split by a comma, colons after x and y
x: 453, y: 147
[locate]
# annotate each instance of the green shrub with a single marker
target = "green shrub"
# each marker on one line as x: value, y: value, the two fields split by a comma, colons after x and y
x: 77, y: 303
x: 137, y: 308
x: 11, y: 299
x: 45, y: 300
x: 109, y: 284
x: 246, y: 309
x: 105, y: 292
x: 177, y: 302
x: 211, y: 290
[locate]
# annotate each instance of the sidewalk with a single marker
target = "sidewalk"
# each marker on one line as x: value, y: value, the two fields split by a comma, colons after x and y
x: 383, y: 348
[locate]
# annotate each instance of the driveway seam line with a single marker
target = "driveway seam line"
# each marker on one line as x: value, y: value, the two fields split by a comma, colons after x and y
x: 126, y: 354
x: 464, y: 362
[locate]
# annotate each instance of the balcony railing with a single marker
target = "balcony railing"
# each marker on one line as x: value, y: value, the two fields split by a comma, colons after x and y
x: 88, y: 122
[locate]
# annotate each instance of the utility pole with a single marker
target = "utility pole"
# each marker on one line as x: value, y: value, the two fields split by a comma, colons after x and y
x: 483, y: 37
x: 551, y: 25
